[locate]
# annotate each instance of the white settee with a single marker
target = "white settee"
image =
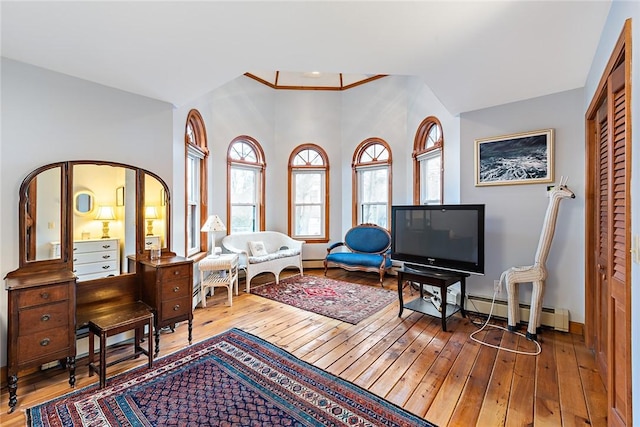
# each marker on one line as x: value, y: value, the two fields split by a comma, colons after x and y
x: 279, y: 252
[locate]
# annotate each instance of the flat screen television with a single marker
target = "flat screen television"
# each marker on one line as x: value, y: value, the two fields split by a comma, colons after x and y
x: 443, y: 237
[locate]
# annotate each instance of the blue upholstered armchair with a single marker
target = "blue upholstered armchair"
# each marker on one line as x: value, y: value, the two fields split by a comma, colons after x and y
x: 368, y: 250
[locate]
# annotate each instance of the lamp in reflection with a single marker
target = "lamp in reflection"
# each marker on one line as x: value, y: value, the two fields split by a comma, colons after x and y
x: 150, y: 213
x: 105, y: 214
x: 213, y: 224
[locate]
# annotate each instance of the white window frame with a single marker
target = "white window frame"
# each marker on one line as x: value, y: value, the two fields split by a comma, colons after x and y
x: 194, y: 159
x: 256, y: 170
x: 361, y: 203
x: 423, y: 159
x: 323, y: 190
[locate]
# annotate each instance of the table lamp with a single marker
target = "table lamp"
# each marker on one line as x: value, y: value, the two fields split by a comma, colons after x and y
x: 213, y: 224
x: 150, y: 213
x: 105, y: 214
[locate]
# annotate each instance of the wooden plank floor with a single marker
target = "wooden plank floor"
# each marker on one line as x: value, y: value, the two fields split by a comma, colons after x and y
x: 442, y: 376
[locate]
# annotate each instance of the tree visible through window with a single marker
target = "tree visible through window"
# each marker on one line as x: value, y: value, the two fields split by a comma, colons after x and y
x: 308, y: 193
x: 428, y: 167
x: 372, y: 182
x: 245, y: 202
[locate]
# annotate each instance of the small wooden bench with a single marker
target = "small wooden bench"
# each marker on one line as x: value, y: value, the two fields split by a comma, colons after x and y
x: 120, y: 318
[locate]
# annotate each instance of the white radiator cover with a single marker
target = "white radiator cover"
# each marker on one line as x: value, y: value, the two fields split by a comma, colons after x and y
x: 557, y: 318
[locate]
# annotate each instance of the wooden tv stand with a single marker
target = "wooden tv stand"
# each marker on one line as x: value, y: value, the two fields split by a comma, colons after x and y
x: 439, y: 278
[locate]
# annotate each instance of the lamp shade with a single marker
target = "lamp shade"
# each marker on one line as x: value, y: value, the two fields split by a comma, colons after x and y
x: 213, y: 223
x: 105, y: 213
x: 150, y: 212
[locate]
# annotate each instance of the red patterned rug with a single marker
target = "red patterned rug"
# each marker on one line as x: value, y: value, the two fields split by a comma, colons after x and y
x: 340, y: 300
x: 234, y: 379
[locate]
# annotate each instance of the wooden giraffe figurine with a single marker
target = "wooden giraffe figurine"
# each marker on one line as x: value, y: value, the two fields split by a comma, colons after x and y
x: 536, y: 273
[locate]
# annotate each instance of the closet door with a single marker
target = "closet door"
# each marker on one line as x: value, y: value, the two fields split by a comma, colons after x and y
x: 608, y: 264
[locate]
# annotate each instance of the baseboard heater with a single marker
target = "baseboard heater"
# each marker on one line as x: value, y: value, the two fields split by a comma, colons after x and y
x: 557, y: 318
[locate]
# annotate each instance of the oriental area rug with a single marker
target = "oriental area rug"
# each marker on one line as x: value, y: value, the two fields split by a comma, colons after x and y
x: 232, y: 379
x: 349, y: 302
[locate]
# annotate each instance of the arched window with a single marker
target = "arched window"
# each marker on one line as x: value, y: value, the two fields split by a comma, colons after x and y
x: 371, y: 181
x: 196, y: 154
x: 428, y: 163
x: 309, y: 194
x: 245, y: 180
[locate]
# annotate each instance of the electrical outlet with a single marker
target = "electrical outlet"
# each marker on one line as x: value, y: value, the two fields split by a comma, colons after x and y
x: 496, y: 286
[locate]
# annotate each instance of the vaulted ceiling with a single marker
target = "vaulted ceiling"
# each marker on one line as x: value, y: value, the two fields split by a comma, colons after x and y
x: 472, y: 54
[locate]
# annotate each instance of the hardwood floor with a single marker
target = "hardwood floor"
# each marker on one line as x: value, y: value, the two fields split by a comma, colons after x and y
x: 444, y: 377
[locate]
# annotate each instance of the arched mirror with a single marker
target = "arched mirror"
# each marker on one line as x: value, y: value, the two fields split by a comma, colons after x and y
x: 69, y: 209
x: 84, y: 203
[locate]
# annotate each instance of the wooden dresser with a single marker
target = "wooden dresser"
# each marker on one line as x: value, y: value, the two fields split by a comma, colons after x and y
x: 167, y: 286
x: 95, y: 259
x: 42, y: 324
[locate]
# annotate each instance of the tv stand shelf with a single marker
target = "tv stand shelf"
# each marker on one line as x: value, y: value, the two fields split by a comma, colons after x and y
x: 434, y: 278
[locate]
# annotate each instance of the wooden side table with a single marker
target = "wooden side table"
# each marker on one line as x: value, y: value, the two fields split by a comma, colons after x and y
x: 223, y: 272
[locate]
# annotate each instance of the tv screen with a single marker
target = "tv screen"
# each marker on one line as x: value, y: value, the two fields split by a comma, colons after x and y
x: 447, y: 237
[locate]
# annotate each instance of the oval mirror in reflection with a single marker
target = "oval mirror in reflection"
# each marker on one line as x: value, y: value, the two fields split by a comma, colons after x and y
x: 84, y: 203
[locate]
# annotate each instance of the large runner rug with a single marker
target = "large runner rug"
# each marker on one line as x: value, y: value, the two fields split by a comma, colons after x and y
x: 232, y: 379
x: 340, y: 300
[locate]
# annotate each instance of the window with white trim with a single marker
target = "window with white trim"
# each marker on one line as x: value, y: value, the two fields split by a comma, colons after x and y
x: 245, y: 206
x: 428, y: 162
x: 372, y: 183
x: 308, y: 193
x: 195, y: 183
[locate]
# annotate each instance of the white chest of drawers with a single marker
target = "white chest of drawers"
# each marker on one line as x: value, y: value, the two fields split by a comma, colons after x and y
x: 151, y: 241
x: 94, y: 259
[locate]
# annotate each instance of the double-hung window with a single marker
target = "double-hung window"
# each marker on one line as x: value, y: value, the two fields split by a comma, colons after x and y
x: 246, y: 166
x: 308, y: 193
x: 372, y: 183
x: 427, y: 163
x: 195, y: 182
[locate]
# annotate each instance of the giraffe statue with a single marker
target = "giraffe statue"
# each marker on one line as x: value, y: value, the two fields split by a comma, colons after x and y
x: 536, y: 273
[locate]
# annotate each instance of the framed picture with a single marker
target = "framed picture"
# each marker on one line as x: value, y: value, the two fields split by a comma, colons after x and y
x: 521, y: 158
x: 163, y: 197
x: 120, y: 196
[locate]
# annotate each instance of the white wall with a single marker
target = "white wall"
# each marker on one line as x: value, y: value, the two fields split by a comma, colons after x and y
x: 515, y: 213
x: 621, y: 11
x: 49, y: 117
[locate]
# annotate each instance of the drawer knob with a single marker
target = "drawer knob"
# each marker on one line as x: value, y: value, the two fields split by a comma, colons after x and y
x: 45, y: 342
x: 176, y: 307
x: 44, y: 295
x: 75, y: 259
x: 176, y: 273
x: 106, y: 256
x: 105, y: 267
x: 106, y: 246
x: 176, y: 289
x: 45, y: 318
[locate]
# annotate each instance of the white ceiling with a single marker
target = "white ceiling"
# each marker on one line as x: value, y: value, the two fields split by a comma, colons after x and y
x: 472, y: 54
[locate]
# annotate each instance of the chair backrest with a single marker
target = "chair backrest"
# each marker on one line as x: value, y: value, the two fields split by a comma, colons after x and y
x: 367, y: 238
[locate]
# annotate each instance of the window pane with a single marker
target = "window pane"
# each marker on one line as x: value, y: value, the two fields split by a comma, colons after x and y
x: 430, y: 188
x: 243, y: 219
x: 308, y: 221
x: 243, y: 151
x: 308, y: 188
x: 243, y: 186
x: 374, y: 185
x: 375, y: 214
x: 192, y: 233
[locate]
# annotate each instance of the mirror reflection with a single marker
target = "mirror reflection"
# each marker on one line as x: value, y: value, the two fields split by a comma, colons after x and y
x: 83, y: 203
x: 43, y: 215
x: 155, y: 213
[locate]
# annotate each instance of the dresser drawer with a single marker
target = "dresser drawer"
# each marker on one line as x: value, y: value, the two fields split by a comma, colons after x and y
x: 105, y: 267
x: 176, y: 307
x: 38, y: 296
x: 95, y: 246
x: 174, y: 272
x: 87, y: 257
x: 43, y: 317
x: 39, y: 344
x: 176, y: 288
